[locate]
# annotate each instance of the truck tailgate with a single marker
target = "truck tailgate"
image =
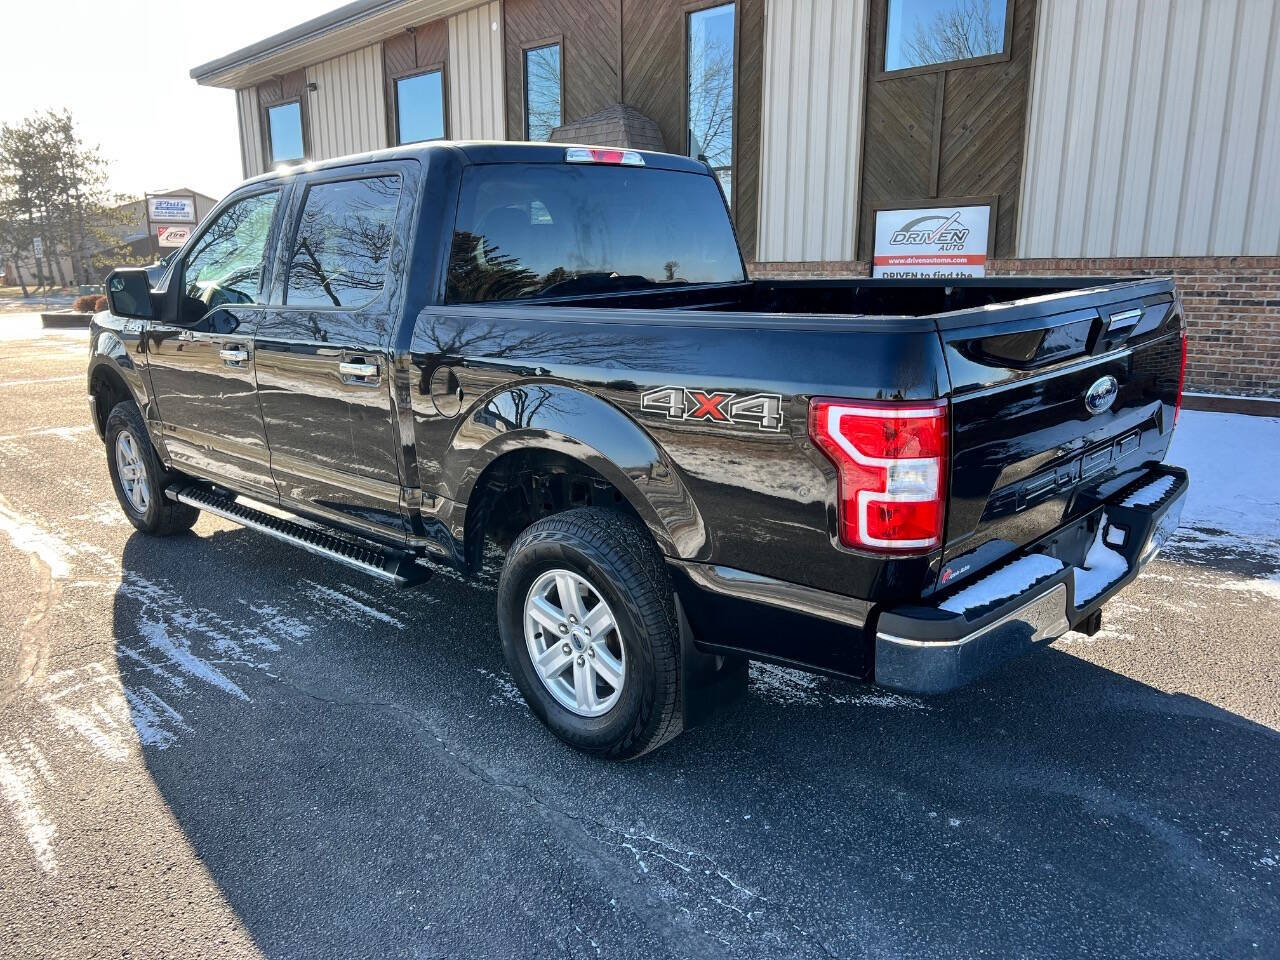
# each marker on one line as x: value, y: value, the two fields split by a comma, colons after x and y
x: 1054, y: 400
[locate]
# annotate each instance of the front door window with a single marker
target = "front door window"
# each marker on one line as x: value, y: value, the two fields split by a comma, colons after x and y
x: 226, y: 264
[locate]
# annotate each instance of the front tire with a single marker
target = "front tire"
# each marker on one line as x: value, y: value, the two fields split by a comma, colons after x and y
x: 589, y: 631
x: 138, y: 478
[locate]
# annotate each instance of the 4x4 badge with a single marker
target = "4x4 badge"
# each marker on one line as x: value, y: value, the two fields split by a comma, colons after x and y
x: 717, y: 406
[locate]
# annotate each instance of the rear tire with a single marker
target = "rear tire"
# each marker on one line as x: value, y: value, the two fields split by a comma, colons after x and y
x: 607, y: 561
x: 139, y: 479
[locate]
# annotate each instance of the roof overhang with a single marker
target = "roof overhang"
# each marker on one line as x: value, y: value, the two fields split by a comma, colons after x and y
x: 350, y: 27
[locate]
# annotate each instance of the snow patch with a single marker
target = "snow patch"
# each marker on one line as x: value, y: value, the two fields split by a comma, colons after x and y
x: 794, y: 687
x: 19, y: 780
x: 29, y: 538
x: 1151, y: 493
x: 507, y: 691
x: 1004, y: 583
x: 1102, y: 567
x: 349, y: 605
x: 1234, y: 501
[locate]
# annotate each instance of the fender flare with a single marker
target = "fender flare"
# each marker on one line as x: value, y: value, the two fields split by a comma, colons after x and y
x: 548, y: 416
x: 111, y: 360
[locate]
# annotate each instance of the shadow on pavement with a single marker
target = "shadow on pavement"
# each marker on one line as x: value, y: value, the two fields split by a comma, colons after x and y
x: 373, y: 787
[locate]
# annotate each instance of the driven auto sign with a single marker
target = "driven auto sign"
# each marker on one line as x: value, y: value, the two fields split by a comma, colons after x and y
x: 932, y: 242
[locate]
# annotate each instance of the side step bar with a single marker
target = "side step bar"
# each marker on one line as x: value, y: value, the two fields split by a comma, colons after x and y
x: 396, y: 567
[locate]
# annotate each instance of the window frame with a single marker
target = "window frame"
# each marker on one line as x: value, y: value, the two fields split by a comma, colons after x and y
x: 302, y: 133
x: 271, y: 244
x: 880, y: 55
x: 525, y: 50
x: 395, y: 101
x: 687, y: 12
x: 288, y: 232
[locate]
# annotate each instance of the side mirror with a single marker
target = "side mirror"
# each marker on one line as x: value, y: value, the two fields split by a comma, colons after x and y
x: 129, y: 294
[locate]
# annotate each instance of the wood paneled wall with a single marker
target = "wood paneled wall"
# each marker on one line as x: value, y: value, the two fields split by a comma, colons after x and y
x: 654, y: 78
x: 589, y: 34
x: 407, y: 53
x: 950, y: 133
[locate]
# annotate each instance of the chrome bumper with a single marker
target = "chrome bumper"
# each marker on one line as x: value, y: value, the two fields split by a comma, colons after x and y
x: 933, y: 649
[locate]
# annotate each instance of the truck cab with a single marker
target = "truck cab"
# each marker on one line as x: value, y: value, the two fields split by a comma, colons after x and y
x: 396, y: 359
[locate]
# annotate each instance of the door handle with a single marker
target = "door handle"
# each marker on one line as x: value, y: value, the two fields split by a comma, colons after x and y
x: 233, y: 354
x: 365, y: 372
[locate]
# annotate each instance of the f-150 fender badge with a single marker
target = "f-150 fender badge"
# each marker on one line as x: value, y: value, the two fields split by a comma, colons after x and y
x: 763, y: 410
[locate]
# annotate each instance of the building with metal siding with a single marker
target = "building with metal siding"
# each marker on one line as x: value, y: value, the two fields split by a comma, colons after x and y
x: 1105, y: 136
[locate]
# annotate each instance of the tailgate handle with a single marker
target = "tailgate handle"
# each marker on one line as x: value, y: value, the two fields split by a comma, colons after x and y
x: 1124, y: 320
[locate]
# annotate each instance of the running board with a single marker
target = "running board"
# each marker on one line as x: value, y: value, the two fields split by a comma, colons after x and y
x: 396, y: 567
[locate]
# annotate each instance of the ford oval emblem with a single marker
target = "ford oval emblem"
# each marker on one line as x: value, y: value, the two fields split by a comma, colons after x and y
x: 1099, y: 397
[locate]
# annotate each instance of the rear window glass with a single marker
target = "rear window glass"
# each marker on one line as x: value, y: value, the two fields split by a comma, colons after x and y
x: 547, y: 230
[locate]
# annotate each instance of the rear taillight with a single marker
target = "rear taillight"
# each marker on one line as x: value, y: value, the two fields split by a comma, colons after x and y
x: 1182, y: 381
x: 628, y: 158
x: 891, y: 460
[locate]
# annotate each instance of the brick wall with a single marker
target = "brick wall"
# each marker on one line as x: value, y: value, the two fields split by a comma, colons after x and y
x: 1232, y: 304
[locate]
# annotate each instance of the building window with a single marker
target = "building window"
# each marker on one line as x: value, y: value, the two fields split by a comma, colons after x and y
x: 710, y: 53
x: 339, y: 256
x: 284, y: 126
x: 924, y: 32
x: 543, y: 90
x: 420, y: 107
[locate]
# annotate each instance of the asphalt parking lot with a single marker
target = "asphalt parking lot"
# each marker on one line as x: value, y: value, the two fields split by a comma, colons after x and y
x: 212, y: 745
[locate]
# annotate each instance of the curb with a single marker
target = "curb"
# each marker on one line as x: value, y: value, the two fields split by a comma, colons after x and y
x: 66, y: 319
x: 1224, y: 403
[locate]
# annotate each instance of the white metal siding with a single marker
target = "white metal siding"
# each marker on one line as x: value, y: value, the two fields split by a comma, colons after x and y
x: 476, y: 74
x: 251, y: 162
x: 1154, y: 130
x: 811, y: 128
x: 348, y: 107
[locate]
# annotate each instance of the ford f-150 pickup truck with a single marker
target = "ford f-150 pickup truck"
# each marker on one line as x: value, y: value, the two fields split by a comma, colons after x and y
x: 415, y: 357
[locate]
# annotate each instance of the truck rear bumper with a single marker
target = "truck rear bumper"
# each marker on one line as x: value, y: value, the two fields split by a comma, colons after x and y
x: 1033, y: 598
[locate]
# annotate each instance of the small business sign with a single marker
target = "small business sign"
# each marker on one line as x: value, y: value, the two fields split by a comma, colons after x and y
x: 178, y: 209
x: 932, y: 242
x: 172, y: 236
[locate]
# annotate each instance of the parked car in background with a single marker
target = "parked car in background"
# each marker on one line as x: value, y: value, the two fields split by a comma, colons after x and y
x: 557, y: 351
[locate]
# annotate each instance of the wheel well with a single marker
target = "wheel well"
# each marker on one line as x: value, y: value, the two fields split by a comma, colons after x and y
x: 522, y: 487
x: 107, y: 389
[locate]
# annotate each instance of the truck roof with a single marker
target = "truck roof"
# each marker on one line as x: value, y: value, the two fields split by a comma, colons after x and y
x: 482, y: 151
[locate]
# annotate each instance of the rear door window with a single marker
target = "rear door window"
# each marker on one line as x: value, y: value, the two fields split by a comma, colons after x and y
x: 339, y: 252
x: 548, y: 230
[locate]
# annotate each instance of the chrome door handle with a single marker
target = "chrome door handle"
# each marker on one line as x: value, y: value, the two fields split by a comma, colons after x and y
x: 362, y: 371
x: 233, y: 354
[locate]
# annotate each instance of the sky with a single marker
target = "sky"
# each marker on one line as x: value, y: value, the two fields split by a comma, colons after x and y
x: 122, y: 67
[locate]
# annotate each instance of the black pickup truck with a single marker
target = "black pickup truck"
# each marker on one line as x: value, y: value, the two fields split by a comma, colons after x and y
x: 397, y: 358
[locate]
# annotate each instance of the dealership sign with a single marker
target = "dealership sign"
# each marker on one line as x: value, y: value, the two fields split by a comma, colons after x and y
x: 172, y: 236
x: 179, y: 209
x: 932, y: 242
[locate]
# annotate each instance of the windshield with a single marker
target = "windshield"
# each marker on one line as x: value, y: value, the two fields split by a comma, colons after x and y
x: 547, y: 230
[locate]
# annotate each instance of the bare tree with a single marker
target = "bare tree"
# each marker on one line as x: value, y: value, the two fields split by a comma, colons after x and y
x: 966, y: 29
